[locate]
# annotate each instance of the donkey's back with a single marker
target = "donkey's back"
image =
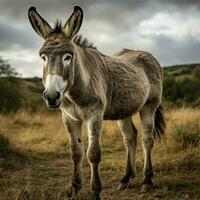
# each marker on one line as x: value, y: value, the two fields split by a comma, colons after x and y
x: 135, y: 78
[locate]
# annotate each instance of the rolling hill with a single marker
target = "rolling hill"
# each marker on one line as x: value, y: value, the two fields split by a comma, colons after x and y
x: 183, y: 71
x: 181, y: 86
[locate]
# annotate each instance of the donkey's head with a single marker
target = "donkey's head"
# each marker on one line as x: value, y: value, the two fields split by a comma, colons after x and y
x: 58, y: 54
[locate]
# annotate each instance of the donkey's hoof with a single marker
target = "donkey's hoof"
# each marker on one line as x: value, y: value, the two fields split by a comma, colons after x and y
x: 122, y: 186
x: 72, y: 192
x: 146, y: 188
x: 95, y: 197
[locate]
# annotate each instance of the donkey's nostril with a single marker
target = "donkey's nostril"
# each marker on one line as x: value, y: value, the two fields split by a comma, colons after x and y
x: 51, y: 98
x: 58, y: 95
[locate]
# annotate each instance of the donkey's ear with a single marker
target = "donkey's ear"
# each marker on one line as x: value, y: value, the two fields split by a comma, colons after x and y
x: 41, y: 27
x: 74, y: 22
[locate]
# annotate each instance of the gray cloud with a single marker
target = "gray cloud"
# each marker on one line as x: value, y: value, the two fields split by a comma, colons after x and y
x: 170, y: 51
x: 168, y: 29
x: 12, y: 35
x: 182, y: 3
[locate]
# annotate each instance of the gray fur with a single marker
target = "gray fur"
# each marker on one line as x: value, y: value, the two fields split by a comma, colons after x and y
x: 110, y: 88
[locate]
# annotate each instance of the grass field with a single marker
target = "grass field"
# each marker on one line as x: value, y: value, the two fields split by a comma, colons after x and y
x: 35, y: 158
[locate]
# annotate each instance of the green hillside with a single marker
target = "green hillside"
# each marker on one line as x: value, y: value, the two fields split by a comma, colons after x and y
x: 16, y: 93
x: 181, y: 87
x: 183, y: 71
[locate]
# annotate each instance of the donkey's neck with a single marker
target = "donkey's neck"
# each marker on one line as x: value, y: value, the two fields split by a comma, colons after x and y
x: 81, y: 69
x: 81, y: 74
x: 89, y: 80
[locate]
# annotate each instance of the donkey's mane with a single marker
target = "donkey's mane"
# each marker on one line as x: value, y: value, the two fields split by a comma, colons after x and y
x: 79, y: 39
x: 83, y: 42
x: 57, y: 27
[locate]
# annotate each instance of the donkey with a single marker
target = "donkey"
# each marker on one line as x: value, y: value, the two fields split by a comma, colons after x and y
x: 89, y: 86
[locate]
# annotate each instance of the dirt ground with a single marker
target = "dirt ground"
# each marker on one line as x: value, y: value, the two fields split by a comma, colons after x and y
x: 35, y: 162
x: 50, y: 179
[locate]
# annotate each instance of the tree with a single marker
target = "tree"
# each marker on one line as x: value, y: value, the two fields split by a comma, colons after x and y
x: 6, y: 69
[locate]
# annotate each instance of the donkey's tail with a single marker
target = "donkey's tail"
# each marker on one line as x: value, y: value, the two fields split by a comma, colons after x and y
x: 160, y: 123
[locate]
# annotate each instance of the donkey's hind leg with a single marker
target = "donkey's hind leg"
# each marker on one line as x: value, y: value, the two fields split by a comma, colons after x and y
x: 147, y: 118
x: 129, y: 133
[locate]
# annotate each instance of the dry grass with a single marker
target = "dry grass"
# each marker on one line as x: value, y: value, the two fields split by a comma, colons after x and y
x: 35, y: 158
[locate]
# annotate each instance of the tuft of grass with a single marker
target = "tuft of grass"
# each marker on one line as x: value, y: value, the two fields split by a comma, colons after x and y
x: 38, y: 155
x: 183, y: 128
x: 186, y: 138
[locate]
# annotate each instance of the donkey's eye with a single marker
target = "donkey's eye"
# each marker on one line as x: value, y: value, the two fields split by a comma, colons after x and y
x: 44, y: 57
x: 67, y: 59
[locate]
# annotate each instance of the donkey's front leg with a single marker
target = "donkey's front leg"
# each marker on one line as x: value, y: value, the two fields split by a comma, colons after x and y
x: 94, y: 153
x: 74, y: 130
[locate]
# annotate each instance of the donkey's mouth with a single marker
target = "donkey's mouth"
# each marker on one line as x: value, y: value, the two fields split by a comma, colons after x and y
x: 54, y: 107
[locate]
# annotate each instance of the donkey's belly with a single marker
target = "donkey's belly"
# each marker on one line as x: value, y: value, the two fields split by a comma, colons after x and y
x: 120, y: 113
x: 125, y: 103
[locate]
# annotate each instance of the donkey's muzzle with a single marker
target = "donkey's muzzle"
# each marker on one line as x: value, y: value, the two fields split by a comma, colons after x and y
x: 53, y: 101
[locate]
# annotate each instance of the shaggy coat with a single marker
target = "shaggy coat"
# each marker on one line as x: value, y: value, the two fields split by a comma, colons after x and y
x: 89, y: 86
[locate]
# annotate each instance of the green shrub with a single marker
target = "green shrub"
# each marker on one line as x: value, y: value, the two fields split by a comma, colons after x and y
x: 190, y: 90
x: 181, y: 92
x: 10, y: 96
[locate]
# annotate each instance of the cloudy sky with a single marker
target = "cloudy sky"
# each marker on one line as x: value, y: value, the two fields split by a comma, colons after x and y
x: 168, y: 29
